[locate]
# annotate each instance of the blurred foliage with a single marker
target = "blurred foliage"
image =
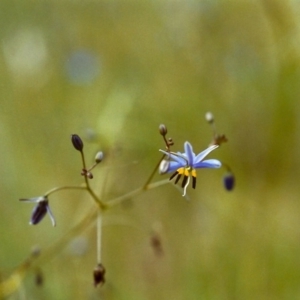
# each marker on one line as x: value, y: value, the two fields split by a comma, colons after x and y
x: 112, y: 71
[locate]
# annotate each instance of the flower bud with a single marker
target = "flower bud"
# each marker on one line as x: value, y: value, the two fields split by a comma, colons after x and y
x: 163, y: 129
x: 170, y: 142
x: 99, y: 157
x: 89, y: 175
x: 229, y: 181
x: 77, y: 142
x: 164, y: 166
x: 209, y: 117
x: 99, y: 273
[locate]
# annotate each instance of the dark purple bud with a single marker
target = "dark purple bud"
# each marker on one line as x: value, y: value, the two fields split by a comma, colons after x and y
x: 99, y: 273
x: 163, y: 129
x: 77, y: 142
x: 229, y: 181
x: 39, y: 212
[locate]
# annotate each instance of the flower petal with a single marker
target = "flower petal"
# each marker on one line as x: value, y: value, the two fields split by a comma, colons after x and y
x: 204, y: 153
x: 174, y: 165
x: 179, y: 158
x: 33, y: 199
x: 209, y: 163
x: 188, y: 151
x: 51, y: 215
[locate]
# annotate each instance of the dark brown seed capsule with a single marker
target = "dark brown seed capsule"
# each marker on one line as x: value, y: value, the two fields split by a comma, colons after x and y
x: 99, y: 273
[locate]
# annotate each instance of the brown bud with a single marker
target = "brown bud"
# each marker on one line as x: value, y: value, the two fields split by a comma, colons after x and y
x: 163, y: 129
x: 89, y: 175
x: 170, y: 142
x: 77, y: 142
x: 99, y: 273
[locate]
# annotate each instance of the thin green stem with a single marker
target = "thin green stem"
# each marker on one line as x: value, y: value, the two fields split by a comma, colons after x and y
x: 88, y: 187
x: 55, y: 248
x: 136, y: 192
x: 84, y: 168
x: 101, y: 204
x: 99, y: 236
x: 70, y: 187
x: 153, y: 173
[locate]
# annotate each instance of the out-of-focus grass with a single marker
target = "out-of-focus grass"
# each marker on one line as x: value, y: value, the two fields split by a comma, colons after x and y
x: 121, y: 69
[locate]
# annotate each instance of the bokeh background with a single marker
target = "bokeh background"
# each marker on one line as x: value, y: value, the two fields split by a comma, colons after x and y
x: 112, y: 71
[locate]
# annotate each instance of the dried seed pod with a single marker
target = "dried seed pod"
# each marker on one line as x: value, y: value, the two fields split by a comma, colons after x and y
x: 99, y: 273
x: 77, y: 142
x: 39, y: 278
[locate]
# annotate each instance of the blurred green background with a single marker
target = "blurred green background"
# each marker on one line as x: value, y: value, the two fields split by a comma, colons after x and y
x: 112, y: 71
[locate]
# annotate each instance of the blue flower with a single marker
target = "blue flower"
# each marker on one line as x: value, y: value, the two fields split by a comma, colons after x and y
x: 186, y: 164
x: 40, y: 210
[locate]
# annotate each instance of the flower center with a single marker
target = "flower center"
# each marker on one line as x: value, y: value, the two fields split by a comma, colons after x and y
x: 187, y: 172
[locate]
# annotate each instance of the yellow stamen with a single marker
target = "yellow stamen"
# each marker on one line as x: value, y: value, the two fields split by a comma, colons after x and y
x: 181, y: 171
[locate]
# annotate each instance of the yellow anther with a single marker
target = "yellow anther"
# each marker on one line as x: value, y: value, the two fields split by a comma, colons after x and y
x: 181, y: 171
x: 194, y: 174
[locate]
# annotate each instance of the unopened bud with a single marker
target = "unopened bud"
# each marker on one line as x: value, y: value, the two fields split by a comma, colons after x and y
x: 77, y: 142
x: 163, y: 129
x: 170, y: 142
x: 229, y: 181
x: 209, y: 117
x: 99, y: 157
x: 99, y: 273
x: 89, y: 175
